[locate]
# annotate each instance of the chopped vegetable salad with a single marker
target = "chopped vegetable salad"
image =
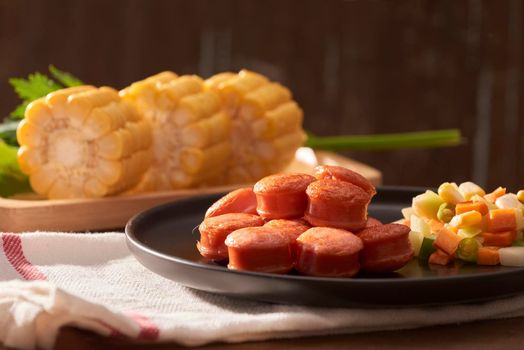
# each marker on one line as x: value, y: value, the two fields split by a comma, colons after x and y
x: 464, y: 222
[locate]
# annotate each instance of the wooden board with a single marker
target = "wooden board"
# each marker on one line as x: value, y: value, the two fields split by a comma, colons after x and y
x: 17, y: 215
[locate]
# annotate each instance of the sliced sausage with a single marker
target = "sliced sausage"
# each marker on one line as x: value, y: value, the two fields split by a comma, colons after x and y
x: 214, y: 230
x: 335, y: 203
x: 344, y: 174
x: 386, y: 248
x: 370, y: 223
x: 329, y: 252
x: 291, y: 228
x: 260, y: 249
x: 282, y: 196
x: 242, y: 200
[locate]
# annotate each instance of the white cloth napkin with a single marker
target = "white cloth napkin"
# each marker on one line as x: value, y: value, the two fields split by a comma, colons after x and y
x: 48, y: 280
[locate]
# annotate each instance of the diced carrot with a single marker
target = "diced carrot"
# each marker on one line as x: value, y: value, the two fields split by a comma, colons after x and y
x: 492, y: 197
x: 499, y: 239
x: 464, y: 207
x: 488, y: 256
x: 501, y: 220
x: 447, y: 241
x: 435, y: 225
x: 440, y: 257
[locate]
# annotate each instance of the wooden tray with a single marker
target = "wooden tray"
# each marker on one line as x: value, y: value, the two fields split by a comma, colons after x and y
x: 17, y: 215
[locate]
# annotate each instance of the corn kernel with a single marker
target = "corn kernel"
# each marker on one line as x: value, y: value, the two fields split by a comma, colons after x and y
x: 520, y: 195
x: 468, y: 219
x: 449, y: 193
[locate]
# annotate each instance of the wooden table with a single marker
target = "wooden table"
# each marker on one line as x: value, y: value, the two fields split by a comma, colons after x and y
x: 495, y: 334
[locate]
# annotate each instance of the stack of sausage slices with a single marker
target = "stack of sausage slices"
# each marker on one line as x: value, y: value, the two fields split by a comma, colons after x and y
x: 317, y: 225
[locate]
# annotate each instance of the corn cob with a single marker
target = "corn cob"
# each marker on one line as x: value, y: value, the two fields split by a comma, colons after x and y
x: 266, y: 124
x: 190, y: 131
x: 83, y: 142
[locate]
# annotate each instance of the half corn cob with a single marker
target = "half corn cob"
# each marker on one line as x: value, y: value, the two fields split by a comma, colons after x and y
x: 266, y: 124
x: 83, y: 142
x: 190, y: 131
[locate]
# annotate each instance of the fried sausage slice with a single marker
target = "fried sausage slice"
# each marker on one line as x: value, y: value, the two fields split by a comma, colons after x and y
x: 386, y: 248
x: 370, y: 223
x: 344, y: 174
x: 282, y: 196
x: 260, y: 249
x: 291, y: 228
x: 328, y: 252
x: 242, y: 200
x: 336, y: 203
x: 214, y: 230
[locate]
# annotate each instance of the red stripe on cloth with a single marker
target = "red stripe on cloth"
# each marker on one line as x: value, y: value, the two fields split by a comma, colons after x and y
x: 113, y: 332
x: 12, y: 245
x: 148, y: 330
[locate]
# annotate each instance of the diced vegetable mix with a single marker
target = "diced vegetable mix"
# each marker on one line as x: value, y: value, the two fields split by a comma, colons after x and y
x: 464, y: 222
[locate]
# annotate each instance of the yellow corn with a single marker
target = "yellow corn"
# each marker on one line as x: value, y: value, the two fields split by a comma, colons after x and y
x: 520, y: 195
x: 266, y: 126
x: 190, y: 131
x: 83, y: 142
x: 264, y: 98
x: 282, y: 120
x: 233, y: 87
x: 195, y: 107
x: 449, y: 193
x: 164, y: 132
x: 469, y: 219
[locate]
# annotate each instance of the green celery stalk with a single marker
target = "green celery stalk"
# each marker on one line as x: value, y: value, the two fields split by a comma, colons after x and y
x: 418, y: 139
x: 8, y: 132
x: 12, y: 180
x: 426, y: 249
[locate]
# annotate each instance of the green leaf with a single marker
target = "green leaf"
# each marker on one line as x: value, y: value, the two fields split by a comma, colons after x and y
x: 19, y: 112
x: 67, y: 79
x: 12, y: 180
x: 35, y: 86
x: 39, y: 85
x: 8, y: 132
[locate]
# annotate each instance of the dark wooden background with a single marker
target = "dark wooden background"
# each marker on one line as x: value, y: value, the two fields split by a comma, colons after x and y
x: 359, y: 66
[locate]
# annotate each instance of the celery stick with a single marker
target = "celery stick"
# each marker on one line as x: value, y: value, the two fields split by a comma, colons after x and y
x: 419, y: 139
x: 426, y: 249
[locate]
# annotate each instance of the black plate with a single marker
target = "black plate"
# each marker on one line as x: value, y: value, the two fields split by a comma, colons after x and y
x: 162, y: 240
